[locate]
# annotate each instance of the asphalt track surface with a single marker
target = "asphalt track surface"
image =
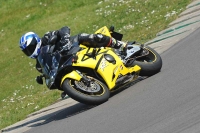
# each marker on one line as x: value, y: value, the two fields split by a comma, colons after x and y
x: 168, y: 102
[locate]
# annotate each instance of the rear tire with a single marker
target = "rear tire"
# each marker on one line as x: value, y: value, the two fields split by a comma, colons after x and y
x: 150, y: 64
x: 96, y: 94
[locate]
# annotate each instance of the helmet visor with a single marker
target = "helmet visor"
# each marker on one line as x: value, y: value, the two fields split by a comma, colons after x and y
x: 31, y: 47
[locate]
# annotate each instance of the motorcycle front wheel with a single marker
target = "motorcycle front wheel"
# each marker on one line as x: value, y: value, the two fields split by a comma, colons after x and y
x: 150, y: 64
x: 93, y: 94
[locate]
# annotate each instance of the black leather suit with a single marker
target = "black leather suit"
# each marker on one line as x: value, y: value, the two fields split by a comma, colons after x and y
x: 91, y: 40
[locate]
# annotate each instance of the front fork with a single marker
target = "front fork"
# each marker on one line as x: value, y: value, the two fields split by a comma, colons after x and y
x: 84, y: 78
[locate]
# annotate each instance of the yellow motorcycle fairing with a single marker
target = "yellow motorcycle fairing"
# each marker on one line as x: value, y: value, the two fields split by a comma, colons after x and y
x: 109, y: 71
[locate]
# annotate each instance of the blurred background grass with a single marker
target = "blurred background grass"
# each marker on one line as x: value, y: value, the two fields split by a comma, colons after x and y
x: 19, y: 93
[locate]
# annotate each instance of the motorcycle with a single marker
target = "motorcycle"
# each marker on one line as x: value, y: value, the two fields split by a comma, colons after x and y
x: 89, y: 75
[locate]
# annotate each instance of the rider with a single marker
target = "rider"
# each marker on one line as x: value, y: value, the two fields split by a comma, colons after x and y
x: 30, y: 43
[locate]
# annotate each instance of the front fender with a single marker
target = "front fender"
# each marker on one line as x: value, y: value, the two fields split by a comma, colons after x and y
x: 72, y: 75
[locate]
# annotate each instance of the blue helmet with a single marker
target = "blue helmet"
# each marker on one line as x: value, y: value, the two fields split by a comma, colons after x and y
x: 30, y: 44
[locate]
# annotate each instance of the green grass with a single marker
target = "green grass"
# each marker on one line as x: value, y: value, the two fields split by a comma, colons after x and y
x: 19, y: 93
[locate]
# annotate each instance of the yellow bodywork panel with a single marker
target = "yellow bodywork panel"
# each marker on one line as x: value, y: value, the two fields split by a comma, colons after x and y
x: 108, y: 71
x: 104, y: 30
x: 86, y: 61
x: 72, y: 75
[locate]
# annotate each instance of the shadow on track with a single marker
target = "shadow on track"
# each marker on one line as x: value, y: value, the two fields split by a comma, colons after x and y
x: 58, y: 115
x: 65, y: 113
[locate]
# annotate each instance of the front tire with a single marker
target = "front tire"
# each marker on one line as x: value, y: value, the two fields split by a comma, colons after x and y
x: 96, y: 94
x: 150, y: 64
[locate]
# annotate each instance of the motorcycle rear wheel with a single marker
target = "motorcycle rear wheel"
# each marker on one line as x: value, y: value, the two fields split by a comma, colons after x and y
x: 96, y: 94
x: 150, y: 64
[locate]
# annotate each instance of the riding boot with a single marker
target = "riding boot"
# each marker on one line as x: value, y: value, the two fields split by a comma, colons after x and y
x: 120, y: 46
x: 123, y: 48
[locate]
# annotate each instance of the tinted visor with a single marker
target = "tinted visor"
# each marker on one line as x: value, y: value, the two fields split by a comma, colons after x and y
x: 31, y: 47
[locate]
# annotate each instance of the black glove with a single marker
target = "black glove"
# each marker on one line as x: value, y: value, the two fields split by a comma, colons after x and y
x: 67, y: 46
x: 65, y: 42
x: 64, y: 39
